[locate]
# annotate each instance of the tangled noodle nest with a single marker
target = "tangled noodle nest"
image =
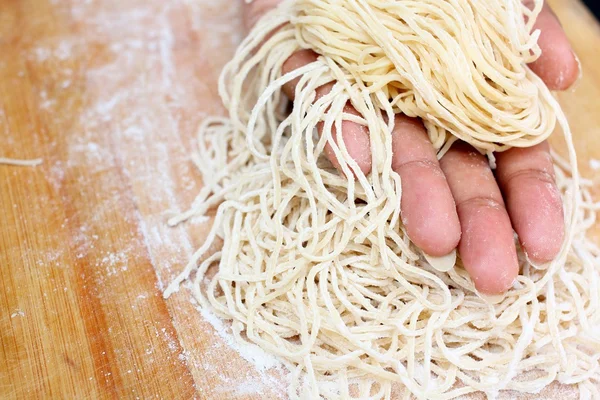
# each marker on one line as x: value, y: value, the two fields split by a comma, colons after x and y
x: 317, y: 268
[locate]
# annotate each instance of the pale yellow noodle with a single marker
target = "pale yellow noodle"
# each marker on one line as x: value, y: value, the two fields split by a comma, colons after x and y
x: 19, y: 162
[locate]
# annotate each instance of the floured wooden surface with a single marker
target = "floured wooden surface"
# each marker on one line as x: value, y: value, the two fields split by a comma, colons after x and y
x: 109, y: 93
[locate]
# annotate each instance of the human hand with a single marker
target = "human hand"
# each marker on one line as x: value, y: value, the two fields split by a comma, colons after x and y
x: 459, y: 201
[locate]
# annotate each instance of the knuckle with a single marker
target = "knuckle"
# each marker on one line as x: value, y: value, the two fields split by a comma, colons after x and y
x: 418, y: 163
x: 481, y: 202
x: 534, y: 174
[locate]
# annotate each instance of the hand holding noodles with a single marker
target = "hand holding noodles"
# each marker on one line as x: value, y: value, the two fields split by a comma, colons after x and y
x: 315, y: 266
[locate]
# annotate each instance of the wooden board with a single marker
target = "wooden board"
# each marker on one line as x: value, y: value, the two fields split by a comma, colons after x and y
x: 109, y: 93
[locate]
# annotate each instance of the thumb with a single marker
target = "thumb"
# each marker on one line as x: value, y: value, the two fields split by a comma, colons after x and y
x: 255, y: 9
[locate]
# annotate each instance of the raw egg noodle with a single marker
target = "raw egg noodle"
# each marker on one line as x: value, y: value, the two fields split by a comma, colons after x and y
x: 316, y: 266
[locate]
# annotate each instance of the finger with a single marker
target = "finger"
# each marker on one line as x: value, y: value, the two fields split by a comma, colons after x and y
x: 526, y: 177
x: 487, y: 247
x: 295, y: 61
x: 355, y: 136
x: 557, y: 66
x: 428, y: 209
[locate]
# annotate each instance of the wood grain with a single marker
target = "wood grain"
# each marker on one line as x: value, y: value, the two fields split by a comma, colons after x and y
x: 109, y: 93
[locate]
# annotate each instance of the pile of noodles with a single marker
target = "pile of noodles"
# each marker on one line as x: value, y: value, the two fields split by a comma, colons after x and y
x: 316, y: 266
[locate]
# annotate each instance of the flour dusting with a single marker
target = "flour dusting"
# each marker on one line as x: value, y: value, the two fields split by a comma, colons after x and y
x: 267, y: 365
x: 249, y: 352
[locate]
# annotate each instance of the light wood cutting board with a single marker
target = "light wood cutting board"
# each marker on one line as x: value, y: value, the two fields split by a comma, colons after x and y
x: 109, y: 93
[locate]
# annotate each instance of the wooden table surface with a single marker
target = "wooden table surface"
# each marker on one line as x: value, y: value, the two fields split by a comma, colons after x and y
x: 109, y: 93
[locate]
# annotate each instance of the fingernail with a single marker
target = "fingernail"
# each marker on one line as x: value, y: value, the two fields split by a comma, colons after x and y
x: 491, y: 299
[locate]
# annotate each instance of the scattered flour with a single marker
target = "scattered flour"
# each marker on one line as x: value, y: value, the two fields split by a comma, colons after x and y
x: 267, y: 365
x: 249, y: 352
